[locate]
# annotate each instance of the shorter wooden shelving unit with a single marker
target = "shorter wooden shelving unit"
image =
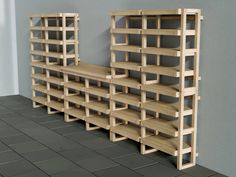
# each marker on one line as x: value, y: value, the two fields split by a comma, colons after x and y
x: 53, y: 44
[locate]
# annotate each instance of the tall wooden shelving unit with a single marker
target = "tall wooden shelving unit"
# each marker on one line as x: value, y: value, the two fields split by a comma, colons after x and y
x: 53, y: 44
x: 167, y: 112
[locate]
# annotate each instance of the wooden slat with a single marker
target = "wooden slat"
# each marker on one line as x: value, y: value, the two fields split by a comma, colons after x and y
x: 162, y: 89
x: 99, y: 91
x: 167, y: 32
x: 99, y: 120
x: 167, y: 145
x: 51, y: 41
x: 54, y: 67
x: 100, y: 106
x: 55, y: 80
x: 128, y: 115
x: 130, y: 131
x: 76, y: 99
x: 167, y: 71
x: 126, y: 31
x: 76, y: 112
x: 38, y: 64
x: 126, y: 48
x: 42, y: 28
x: 126, y: 13
x: 162, y: 12
x: 75, y: 85
x: 39, y: 76
x: 170, y: 109
x: 56, y: 93
x: 40, y: 99
x: 51, y: 15
x: 129, y: 82
x: 127, y: 65
x: 56, y: 105
x: 127, y: 98
x: 40, y: 88
x: 51, y: 54
x: 161, y: 51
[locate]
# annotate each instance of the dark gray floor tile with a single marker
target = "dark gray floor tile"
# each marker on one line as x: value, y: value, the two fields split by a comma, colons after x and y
x: 3, y: 147
x: 115, y: 151
x: 55, y: 165
x: 101, y: 133
x: 68, y: 130
x: 96, y: 163
x: 117, y: 172
x: 45, y: 118
x: 16, y: 168
x: 129, y: 144
x: 62, y: 144
x: 158, y: 170
x: 82, y: 136
x: 28, y: 147
x: 41, y: 155
x: 134, y: 161
x: 11, y: 140
x: 218, y: 175
x: 98, y: 143
x: 9, y: 132
x: 74, y: 173
x: 4, y: 110
x: 79, y: 153
x: 35, y: 173
x: 198, y: 170
x: 55, y: 124
x: 39, y: 112
x: 9, y: 156
x: 184, y: 175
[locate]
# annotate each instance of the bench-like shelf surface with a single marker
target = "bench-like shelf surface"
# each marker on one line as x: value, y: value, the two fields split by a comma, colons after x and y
x: 59, y: 106
x: 76, y: 99
x: 126, y: 48
x: 127, y: 98
x: 128, y: 115
x: 75, y: 85
x: 76, y: 112
x: 127, y: 81
x: 99, y: 91
x: 127, y: 65
x: 100, y: 106
x: 55, y: 80
x: 40, y: 88
x: 99, y: 120
x: 40, y: 99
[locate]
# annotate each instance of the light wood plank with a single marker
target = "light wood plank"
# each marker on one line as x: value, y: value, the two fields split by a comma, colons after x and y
x: 99, y: 120
x: 127, y: 65
x: 129, y: 82
x: 127, y: 98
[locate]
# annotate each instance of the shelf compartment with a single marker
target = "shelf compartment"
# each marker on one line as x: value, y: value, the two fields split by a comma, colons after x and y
x: 40, y: 99
x: 39, y: 76
x: 167, y: 145
x: 171, y: 90
x: 130, y: 131
x: 126, y: 31
x: 99, y: 120
x: 55, y: 80
x: 130, y: 115
x: 98, y: 91
x: 52, y: 54
x: 126, y: 48
x: 76, y: 112
x: 167, y: 32
x: 56, y: 105
x: 38, y: 64
x: 127, y: 82
x: 127, y: 65
x: 56, y: 93
x: 76, y: 99
x: 169, y: 127
x: 167, y: 71
x: 127, y: 98
x: 52, y: 41
x: 40, y: 88
x: 170, y: 109
x: 100, y: 106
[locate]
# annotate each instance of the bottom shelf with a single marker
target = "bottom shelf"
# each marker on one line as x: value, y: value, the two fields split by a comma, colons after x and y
x: 56, y: 105
x: 76, y: 112
x: 99, y: 120
x: 130, y: 131
x: 167, y: 145
x: 40, y: 99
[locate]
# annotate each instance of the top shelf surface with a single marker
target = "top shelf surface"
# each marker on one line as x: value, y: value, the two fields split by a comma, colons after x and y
x: 55, y: 15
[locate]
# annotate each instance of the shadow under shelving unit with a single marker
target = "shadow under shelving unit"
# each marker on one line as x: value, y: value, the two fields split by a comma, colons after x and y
x: 53, y: 44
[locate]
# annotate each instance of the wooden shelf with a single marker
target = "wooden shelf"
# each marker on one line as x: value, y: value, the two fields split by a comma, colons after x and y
x: 98, y: 91
x: 40, y: 88
x: 76, y: 112
x: 130, y: 131
x: 129, y: 82
x: 38, y: 64
x: 167, y: 71
x: 40, y: 99
x: 169, y: 127
x: 99, y: 120
x: 75, y: 85
x: 167, y: 145
x: 54, y: 67
x: 167, y: 32
x: 127, y: 13
x: 55, y: 80
x: 162, y: 12
x: 126, y: 31
x: 42, y: 28
x: 127, y: 65
x: 127, y: 98
x: 170, y: 109
x: 126, y: 48
x: 100, y: 106
x: 76, y: 99
x: 52, y: 54
x: 51, y: 15
x: 162, y: 89
x: 52, y: 41
x: 59, y: 106
x: 56, y: 93
x: 130, y: 115
x: 39, y: 76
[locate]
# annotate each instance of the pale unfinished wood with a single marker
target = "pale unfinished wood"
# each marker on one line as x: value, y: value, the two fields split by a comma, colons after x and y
x: 127, y: 65
x: 76, y: 99
x: 127, y: 13
x: 127, y: 98
x: 77, y: 113
x: 99, y: 120
x: 126, y: 48
x: 129, y: 82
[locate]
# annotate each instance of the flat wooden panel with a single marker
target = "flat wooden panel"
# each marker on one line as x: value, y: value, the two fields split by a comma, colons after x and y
x: 161, y: 51
x: 126, y: 48
x: 100, y: 106
x: 99, y: 120
x: 39, y: 76
x: 40, y: 88
x: 76, y: 99
x: 126, y: 13
x: 55, y: 15
x: 38, y: 64
x: 128, y: 115
x: 56, y: 105
x: 40, y: 99
x: 127, y: 98
x: 42, y: 28
x: 55, y: 80
x: 126, y: 31
x: 162, y: 12
x: 76, y: 112
x: 52, y: 54
x: 162, y: 89
x: 56, y: 93
x: 129, y: 82
x: 99, y: 91
x: 75, y: 85
x: 127, y: 65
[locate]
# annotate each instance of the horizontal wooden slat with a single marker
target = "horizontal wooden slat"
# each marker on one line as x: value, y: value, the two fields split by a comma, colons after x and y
x: 38, y: 64
x: 40, y: 88
x: 51, y: 41
x: 126, y: 13
x: 128, y: 115
x: 99, y: 91
x: 56, y: 93
x: 167, y: 32
x: 40, y: 99
x: 127, y: 65
x: 127, y: 98
x: 52, y: 54
x: 42, y: 28
x: 59, y: 106
x: 55, y: 15
x: 39, y: 76
x: 75, y: 85
x: 126, y: 31
x: 162, y: 89
x: 76, y: 99
x: 162, y: 12
x: 129, y: 82
x: 126, y: 48
x: 100, y: 106
x: 76, y: 112
x: 99, y: 120
x: 55, y: 80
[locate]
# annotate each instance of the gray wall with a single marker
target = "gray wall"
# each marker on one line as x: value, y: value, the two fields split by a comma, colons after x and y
x: 217, y: 109
x: 8, y: 57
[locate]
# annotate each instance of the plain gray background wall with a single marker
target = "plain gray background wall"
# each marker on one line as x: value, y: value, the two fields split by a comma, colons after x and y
x: 8, y: 56
x: 217, y: 108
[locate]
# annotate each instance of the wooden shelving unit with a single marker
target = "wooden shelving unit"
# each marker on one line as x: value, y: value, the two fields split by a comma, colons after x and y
x: 165, y: 113
x: 87, y: 95
x: 53, y: 44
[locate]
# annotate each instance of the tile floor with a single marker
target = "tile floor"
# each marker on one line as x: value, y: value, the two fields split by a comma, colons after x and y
x: 34, y: 144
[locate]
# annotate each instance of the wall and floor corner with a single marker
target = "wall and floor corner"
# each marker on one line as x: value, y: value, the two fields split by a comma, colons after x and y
x: 8, y: 51
x: 216, y: 125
